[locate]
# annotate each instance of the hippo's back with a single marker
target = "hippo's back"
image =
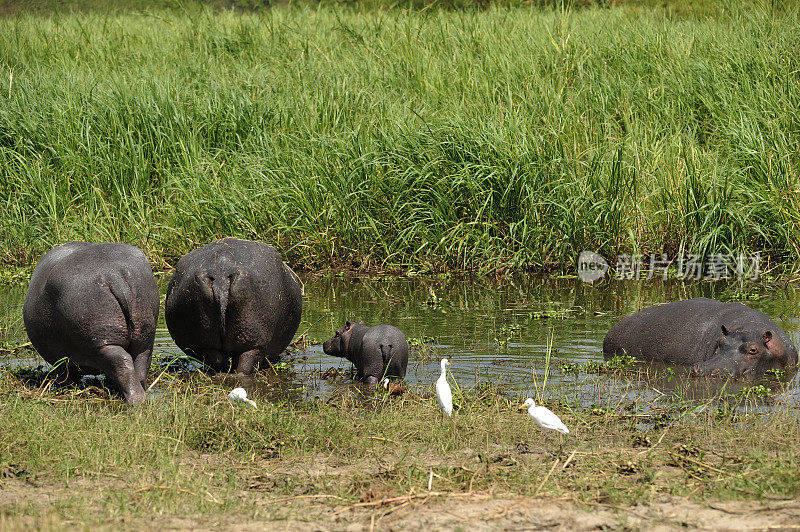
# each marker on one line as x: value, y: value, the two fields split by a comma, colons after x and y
x: 391, y: 345
x: 232, y: 295
x: 84, y: 295
x: 662, y: 332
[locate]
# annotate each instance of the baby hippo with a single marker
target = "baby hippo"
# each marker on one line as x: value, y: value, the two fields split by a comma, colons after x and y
x: 377, y: 352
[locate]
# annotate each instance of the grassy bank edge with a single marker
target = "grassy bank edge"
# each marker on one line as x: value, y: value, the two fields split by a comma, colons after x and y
x: 192, y: 454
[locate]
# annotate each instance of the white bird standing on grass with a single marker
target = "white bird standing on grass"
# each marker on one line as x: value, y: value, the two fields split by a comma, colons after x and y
x: 544, y: 417
x: 240, y: 395
x: 443, y: 393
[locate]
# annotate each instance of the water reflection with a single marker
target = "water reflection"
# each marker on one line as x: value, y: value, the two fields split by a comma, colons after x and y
x: 499, y: 331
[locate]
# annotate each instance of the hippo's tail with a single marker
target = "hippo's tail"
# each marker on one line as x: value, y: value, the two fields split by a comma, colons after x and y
x: 121, y: 290
x: 221, y: 289
x: 386, y: 353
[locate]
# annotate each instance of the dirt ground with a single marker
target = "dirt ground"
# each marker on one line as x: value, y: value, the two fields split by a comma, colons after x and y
x: 481, y: 512
x: 423, y: 511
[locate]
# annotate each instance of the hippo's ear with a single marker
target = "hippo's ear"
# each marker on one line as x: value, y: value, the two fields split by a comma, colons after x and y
x: 347, y: 326
x: 725, y: 331
x: 774, y: 345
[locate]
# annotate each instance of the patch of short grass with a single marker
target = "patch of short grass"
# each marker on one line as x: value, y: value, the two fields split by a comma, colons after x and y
x: 191, y: 453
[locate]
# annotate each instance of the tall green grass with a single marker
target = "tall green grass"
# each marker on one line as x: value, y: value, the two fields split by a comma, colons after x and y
x: 424, y: 140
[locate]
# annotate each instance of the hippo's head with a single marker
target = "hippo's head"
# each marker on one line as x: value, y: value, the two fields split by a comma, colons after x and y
x: 741, y: 352
x: 333, y: 347
x: 340, y: 343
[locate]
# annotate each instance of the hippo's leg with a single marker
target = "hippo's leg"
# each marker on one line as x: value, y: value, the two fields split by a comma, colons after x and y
x: 141, y: 364
x: 371, y: 380
x: 117, y: 363
x: 247, y: 361
x: 215, y: 359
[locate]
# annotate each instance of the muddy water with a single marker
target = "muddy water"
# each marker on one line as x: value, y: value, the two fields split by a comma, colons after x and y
x: 516, y: 333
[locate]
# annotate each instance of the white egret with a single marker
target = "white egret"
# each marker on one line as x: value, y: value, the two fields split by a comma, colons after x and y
x: 443, y: 393
x: 544, y: 417
x: 239, y: 395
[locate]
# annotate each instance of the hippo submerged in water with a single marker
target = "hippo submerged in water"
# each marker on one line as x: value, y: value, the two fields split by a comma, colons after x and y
x: 95, y: 305
x: 233, y: 303
x: 377, y: 352
x: 718, y: 339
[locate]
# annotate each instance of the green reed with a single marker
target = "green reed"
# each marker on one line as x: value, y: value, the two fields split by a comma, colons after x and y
x: 511, y: 138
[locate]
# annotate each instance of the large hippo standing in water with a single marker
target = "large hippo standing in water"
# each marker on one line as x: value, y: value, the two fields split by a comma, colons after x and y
x: 376, y: 352
x: 95, y: 305
x: 233, y: 303
x: 718, y: 339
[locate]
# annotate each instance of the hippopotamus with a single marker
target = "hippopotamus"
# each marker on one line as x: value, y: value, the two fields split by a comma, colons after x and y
x: 377, y: 352
x: 233, y: 303
x: 718, y: 339
x: 95, y: 305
